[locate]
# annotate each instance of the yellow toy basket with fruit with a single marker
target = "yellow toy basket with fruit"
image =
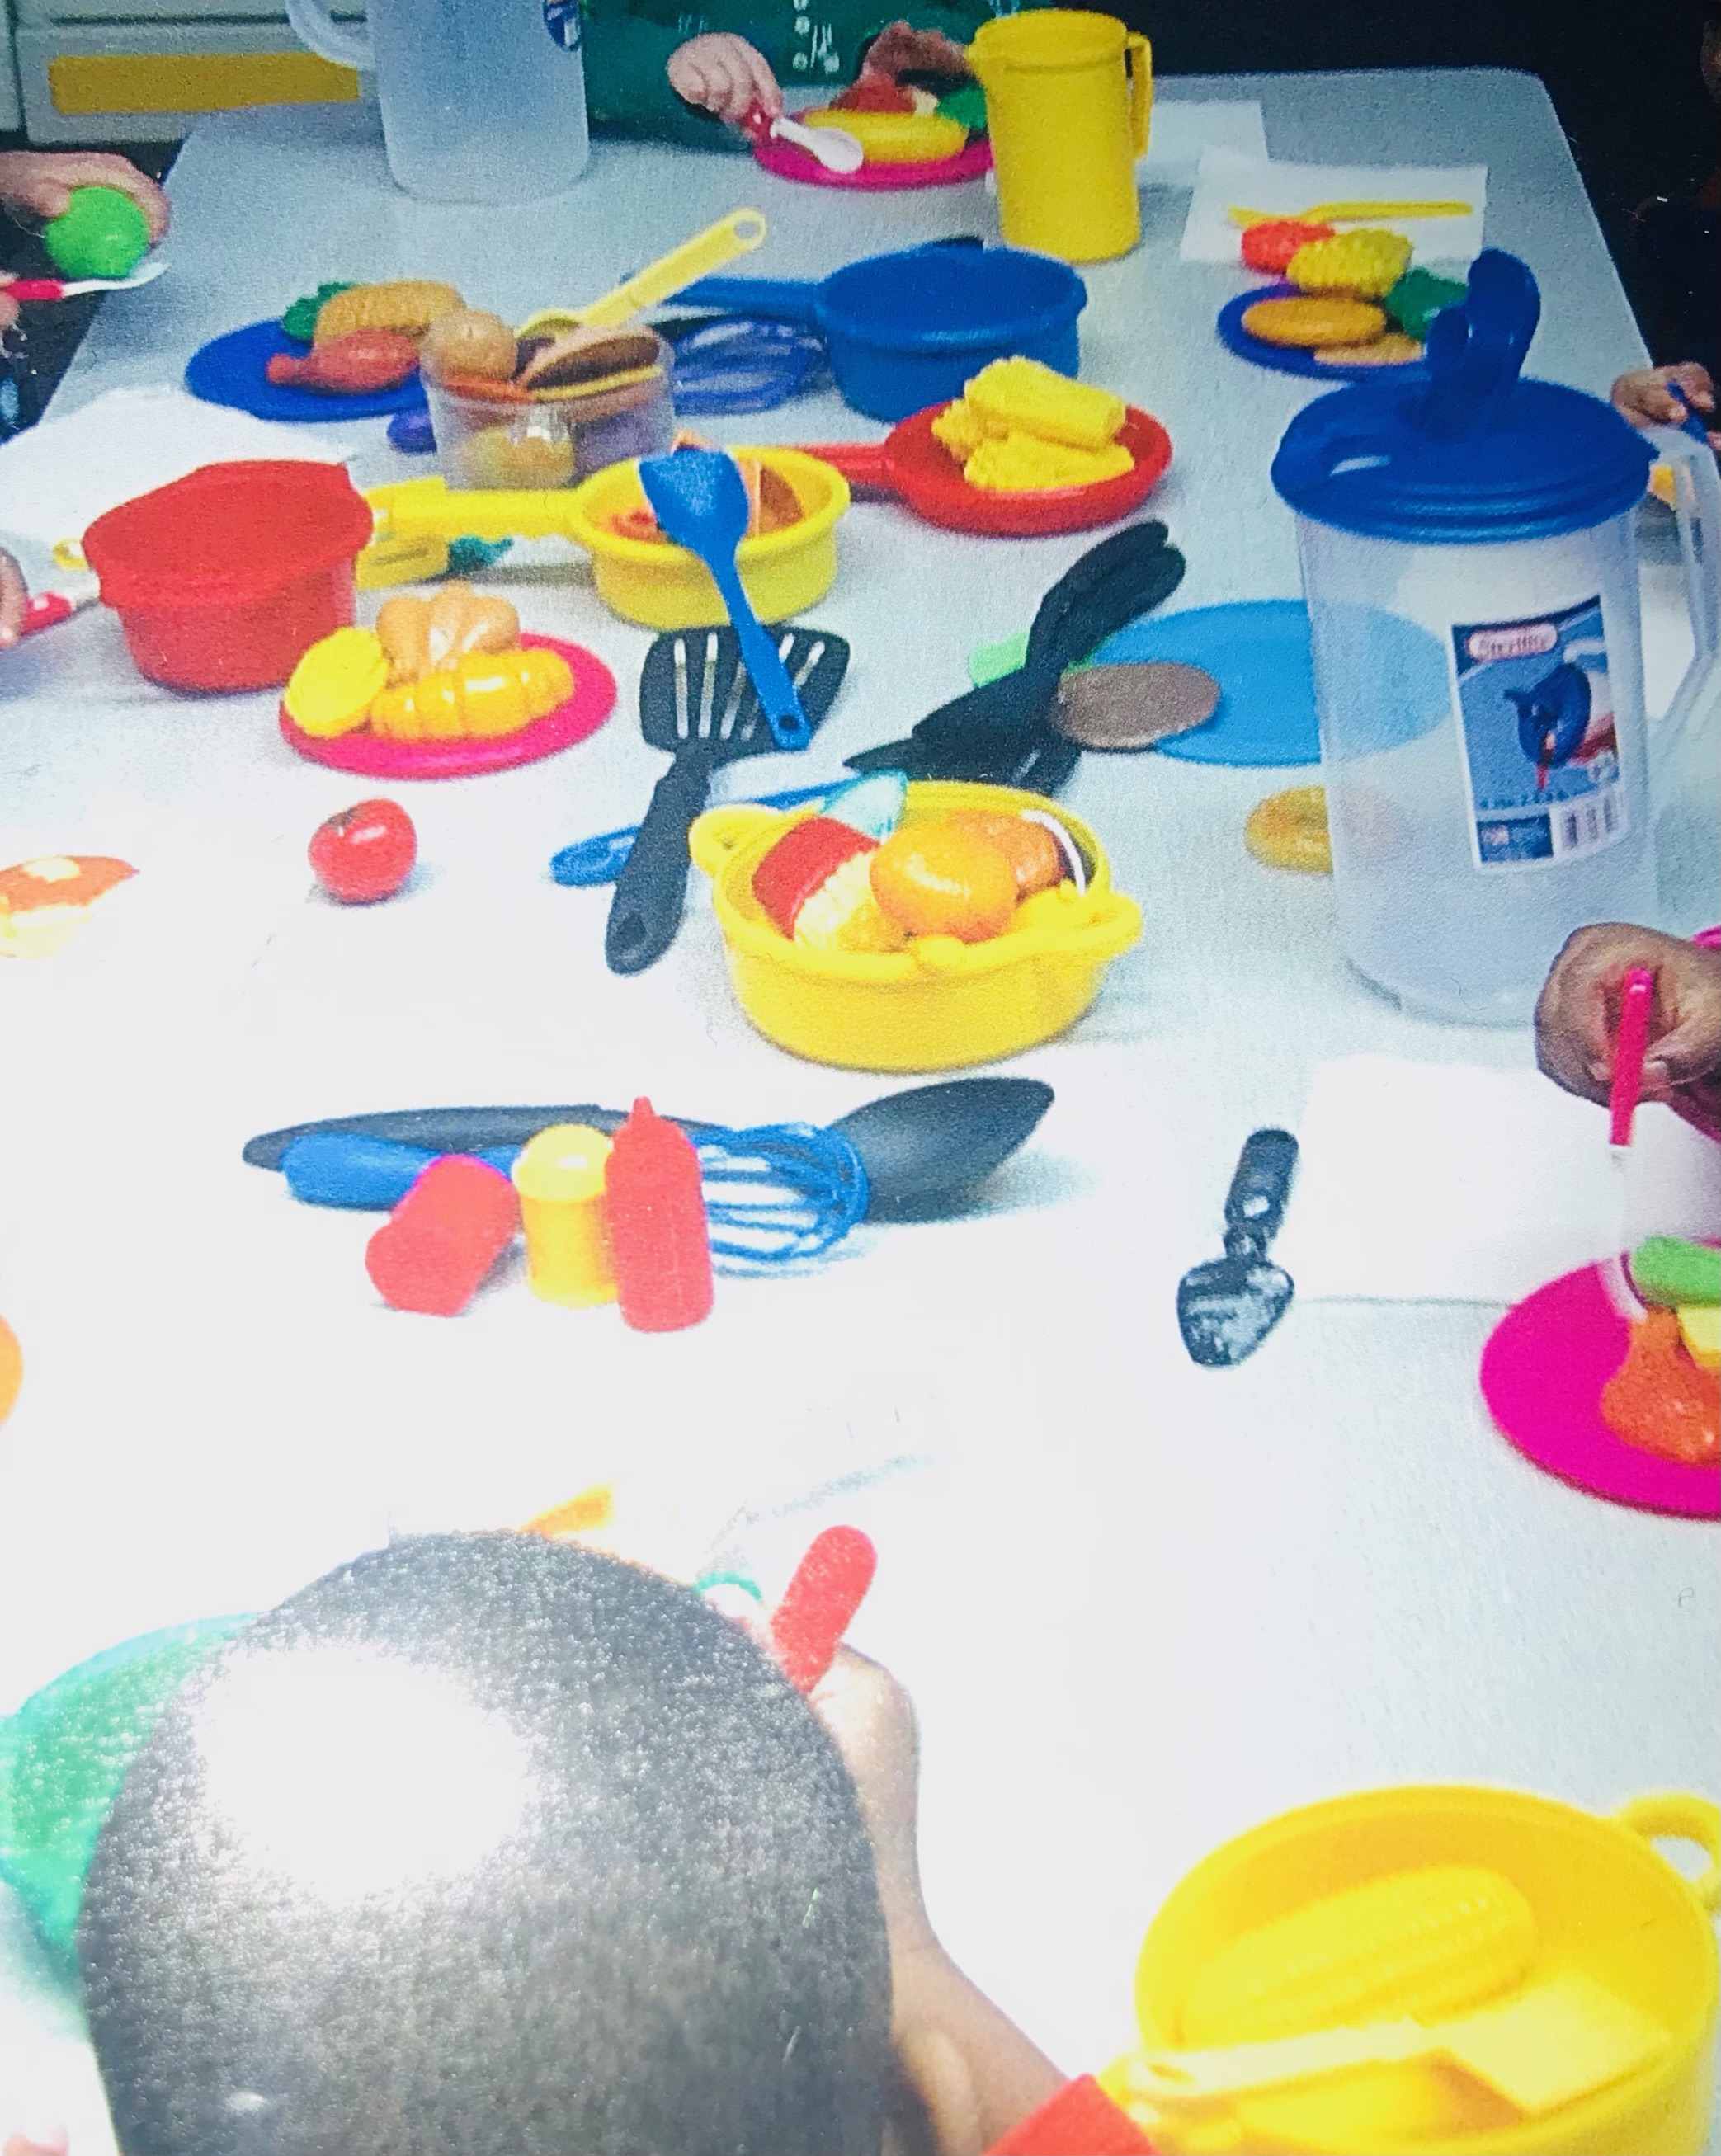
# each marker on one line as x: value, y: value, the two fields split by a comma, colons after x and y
x: 936, y: 1003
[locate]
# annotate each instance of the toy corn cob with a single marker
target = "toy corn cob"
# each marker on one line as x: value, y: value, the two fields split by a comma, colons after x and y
x: 409, y: 304
x: 1020, y: 462
x: 484, y: 694
x: 1022, y: 395
x: 1369, y: 264
x: 1423, y: 1945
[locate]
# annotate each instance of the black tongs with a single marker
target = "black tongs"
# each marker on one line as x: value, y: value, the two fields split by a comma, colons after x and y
x: 1000, y: 735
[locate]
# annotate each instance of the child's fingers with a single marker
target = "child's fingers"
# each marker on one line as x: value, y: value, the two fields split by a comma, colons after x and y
x: 13, y: 600
x: 1694, y: 383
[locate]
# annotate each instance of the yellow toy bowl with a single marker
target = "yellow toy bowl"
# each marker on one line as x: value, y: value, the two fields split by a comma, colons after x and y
x: 895, y: 138
x: 664, y: 587
x: 940, y: 1004
x: 1605, y: 1903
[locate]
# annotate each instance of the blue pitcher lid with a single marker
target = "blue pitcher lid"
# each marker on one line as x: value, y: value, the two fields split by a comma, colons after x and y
x: 1466, y: 452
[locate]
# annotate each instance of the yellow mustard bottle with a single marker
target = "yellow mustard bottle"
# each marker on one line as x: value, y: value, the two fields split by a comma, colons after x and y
x: 559, y: 1180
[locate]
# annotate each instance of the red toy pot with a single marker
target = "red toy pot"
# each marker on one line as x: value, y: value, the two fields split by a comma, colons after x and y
x: 224, y: 578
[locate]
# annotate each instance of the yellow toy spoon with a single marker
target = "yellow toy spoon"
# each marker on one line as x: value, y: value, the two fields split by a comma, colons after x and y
x: 1349, y: 213
x: 738, y: 234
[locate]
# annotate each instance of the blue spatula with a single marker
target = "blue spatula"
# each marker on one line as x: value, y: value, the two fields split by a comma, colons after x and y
x: 699, y: 499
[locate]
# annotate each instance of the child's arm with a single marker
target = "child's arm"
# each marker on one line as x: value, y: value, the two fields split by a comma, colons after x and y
x: 971, y: 2071
x: 1579, y: 1012
x: 13, y: 599
x: 1644, y: 398
x: 39, y: 183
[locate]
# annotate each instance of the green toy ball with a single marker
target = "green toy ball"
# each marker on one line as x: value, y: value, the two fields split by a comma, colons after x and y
x: 103, y: 235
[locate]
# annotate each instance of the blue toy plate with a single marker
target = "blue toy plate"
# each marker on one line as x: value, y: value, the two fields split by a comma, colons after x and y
x: 1258, y: 652
x: 1294, y: 359
x: 229, y: 370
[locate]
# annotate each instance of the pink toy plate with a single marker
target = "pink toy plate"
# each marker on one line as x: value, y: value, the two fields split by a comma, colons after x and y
x: 1542, y: 1374
x: 790, y: 162
x: 370, y: 756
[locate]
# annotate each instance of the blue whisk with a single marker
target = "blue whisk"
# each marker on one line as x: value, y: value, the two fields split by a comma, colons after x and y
x: 774, y: 1196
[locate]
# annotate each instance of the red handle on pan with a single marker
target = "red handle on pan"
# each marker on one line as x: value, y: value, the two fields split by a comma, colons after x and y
x: 829, y: 1585
x: 865, y: 464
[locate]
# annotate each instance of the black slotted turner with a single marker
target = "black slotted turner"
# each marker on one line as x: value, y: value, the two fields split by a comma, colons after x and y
x: 697, y: 703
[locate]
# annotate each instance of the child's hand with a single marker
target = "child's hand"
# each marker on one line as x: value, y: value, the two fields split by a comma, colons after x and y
x: 1644, y: 398
x: 54, y: 2141
x: 872, y: 1719
x: 13, y: 599
x: 39, y: 183
x: 1579, y: 1012
x: 724, y: 74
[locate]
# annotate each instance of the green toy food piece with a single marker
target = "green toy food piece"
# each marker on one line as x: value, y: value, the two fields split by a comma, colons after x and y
x: 103, y: 235
x: 64, y: 1755
x: 300, y: 321
x: 1418, y: 297
x: 1676, y: 1274
x: 966, y: 106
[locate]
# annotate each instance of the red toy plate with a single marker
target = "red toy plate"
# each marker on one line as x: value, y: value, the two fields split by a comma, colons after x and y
x: 1542, y: 1374
x: 790, y: 162
x: 912, y: 464
x: 370, y: 756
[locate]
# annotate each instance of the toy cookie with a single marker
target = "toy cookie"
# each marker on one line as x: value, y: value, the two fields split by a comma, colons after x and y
x: 1289, y: 830
x: 1391, y: 348
x: 1313, y: 322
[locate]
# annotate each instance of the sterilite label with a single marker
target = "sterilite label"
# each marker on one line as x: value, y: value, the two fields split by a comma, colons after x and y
x: 1536, y: 722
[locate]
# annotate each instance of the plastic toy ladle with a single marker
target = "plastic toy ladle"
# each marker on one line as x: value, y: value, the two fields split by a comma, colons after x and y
x: 833, y: 147
x: 699, y: 500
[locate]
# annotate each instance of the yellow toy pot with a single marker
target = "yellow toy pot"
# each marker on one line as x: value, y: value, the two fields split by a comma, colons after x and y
x: 664, y: 587
x: 938, y: 1005
x: 1068, y: 98
x: 1606, y: 1901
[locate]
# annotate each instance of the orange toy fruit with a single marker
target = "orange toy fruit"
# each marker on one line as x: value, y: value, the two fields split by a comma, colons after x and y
x: 1028, y: 847
x: 12, y: 1368
x: 1660, y: 1400
x: 944, y: 879
x: 1269, y: 244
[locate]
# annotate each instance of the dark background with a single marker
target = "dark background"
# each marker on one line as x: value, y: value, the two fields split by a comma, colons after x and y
x: 1622, y: 74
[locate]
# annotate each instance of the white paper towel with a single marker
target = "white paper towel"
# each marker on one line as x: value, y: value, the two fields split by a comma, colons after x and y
x: 1225, y: 179
x: 1440, y: 1183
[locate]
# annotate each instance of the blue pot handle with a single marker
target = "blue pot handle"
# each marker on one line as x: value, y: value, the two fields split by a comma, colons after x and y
x: 765, y: 298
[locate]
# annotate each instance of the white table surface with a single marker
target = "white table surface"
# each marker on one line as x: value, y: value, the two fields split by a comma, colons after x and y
x: 1141, y: 1607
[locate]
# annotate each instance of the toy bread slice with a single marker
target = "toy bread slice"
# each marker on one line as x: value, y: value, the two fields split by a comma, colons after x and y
x: 409, y: 304
x: 588, y: 355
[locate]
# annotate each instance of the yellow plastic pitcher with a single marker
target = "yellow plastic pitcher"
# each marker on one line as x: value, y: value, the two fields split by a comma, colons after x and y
x: 1068, y: 97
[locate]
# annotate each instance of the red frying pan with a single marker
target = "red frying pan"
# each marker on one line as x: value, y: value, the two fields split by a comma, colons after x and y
x: 912, y: 465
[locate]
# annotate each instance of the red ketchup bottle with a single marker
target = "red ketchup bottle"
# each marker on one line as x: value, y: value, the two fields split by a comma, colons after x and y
x: 659, y: 1243
x: 443, y: 1236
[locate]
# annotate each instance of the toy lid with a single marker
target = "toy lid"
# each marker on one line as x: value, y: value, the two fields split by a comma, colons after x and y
x: 1469, y: 454
x: 227, y: 535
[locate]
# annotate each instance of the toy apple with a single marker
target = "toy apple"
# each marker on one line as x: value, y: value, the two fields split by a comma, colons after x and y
x: 364, y: 853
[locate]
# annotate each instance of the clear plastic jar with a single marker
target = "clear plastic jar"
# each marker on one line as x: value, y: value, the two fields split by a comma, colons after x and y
x: 555, y: 438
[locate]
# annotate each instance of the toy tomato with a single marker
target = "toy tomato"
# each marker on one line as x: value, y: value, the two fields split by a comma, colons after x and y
x: 366, y: 853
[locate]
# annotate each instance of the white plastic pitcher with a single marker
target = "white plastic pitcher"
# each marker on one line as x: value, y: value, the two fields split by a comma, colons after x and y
x: 1468, y: 557
x: 483, y: 100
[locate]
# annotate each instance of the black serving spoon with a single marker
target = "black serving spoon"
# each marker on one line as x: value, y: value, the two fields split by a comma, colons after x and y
x: 921, y: 1149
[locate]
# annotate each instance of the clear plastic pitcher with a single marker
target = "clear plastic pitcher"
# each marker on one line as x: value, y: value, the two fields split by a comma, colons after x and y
x: 483, y: 100
x: 1468, y: 558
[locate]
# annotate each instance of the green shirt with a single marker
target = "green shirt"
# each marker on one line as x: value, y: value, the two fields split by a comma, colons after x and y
x: 628, y: 44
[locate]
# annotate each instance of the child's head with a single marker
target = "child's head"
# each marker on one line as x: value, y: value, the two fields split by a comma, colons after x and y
x: 486, y: 1846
